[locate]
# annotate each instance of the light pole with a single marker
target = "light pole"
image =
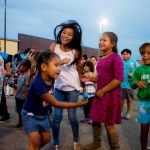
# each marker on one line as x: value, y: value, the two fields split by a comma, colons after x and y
x: 100, y: 32
x: 5, y: 26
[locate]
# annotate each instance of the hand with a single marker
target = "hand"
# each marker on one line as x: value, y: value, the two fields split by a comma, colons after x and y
x: 141, y: 84
x: 44, y: 103
x: 130, y: 74
x: 81, y: 102
x: 65, y: 60
x: 84, y: 78
x: 100, y: 93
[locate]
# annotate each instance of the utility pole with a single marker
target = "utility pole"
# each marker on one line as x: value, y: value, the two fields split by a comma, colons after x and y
x: 5, y: 26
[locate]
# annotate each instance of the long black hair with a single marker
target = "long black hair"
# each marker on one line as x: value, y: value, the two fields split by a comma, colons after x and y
x: 77, y: 38
x: 114, y: 39
x: 88, y: 64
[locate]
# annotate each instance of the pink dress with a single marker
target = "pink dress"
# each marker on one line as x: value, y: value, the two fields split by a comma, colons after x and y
x: 108, y: 108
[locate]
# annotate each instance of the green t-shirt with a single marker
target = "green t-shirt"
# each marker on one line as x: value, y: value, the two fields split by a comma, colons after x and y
x: 142, y: 73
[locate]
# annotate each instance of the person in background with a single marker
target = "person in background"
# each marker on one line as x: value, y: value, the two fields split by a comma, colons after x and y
x: 26, y: 51
x: 2, y: 75
x: 106, y: 106
x: 88, y: 70
x: 22, y: 88
x: 141, y: 80
x: 93, y: 59
x: 16, y: 74
x: 33, y: 61
x: 83, y: 58
x: 9, y: 90
x: 35, y: 110
x: 3, y: 105
x: 67, y: 85
x: 126, y: 91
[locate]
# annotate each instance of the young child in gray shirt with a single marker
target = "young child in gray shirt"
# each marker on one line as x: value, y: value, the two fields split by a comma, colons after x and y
x: 22, y: 88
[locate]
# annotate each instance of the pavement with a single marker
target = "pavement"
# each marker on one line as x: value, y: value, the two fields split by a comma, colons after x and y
x: 15, y: 139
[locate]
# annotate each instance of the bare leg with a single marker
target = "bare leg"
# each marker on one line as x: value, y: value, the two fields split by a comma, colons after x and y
x: 144, y: 136
x: 45, y: 138
x: 34, y: 141
x: 122, y: 102
x: 129, y: 105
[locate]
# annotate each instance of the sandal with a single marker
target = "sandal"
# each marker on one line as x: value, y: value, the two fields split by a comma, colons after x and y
x: 56, y: 147
x: 77, y: 146
x: 18, y: 126
x: 21, y: 128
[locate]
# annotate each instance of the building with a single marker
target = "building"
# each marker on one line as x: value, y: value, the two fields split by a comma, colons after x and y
x: 11, y: 46
x: 26, y: 41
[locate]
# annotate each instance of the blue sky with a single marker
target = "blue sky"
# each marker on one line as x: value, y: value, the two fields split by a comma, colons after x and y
x: 129, y: 19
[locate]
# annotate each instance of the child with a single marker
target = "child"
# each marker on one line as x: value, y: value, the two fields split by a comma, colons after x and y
x: 67, y: 85
x: 126, y: 92
x: 106, y: 106
x: 88, y: 69
x: 35, y: 110
x: 83, y: 58
x: 93, y: 59
x: 33, y: 60
x: 22, y: 87
x: 141, y: 80
x: 2, y: 71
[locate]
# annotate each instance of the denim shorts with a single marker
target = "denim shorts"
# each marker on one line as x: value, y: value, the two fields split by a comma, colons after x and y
x: 143, y: 115
x: 35, y: 122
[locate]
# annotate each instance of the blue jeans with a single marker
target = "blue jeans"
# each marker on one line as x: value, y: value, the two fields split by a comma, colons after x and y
x: 65, y: 96
x: 35, y: 122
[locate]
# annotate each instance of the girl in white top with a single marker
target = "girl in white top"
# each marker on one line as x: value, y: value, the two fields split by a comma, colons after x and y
x: 67, y: 85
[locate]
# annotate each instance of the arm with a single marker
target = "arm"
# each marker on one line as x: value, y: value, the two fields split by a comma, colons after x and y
x: 136, y: 80
x: 26, y: 91
x: 79, y: 70
x: 52, y: 47
x: 94, y: 75
x: 112, y: 85
x: 51, y: 100
x: 8, y: 69
x: 31, y: 74
x: 118, y: 70
x: 85, y: 78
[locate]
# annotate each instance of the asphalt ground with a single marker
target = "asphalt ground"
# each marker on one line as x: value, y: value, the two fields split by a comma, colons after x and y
x: 15, y: 139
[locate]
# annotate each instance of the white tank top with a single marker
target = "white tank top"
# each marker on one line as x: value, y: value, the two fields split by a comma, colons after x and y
x: 68, y: 79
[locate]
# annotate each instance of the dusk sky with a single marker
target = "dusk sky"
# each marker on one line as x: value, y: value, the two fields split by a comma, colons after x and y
x: 129, y: 19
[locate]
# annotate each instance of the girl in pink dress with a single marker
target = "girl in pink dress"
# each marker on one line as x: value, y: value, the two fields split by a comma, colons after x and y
x: 106, y: 106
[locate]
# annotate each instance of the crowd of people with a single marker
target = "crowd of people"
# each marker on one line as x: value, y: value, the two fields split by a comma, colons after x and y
x: 61, y: 75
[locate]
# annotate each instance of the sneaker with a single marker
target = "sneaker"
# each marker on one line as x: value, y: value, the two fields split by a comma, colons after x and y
x: 7, y: 96
x: 127, y: 116
x: 5, y: 118
x: 56, y: 147
x: 90, y: 122
x: 84, y: 120
x: 76, y: 146
x: 122, y: 114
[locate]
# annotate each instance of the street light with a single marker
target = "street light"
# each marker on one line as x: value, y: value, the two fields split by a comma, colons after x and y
x: 4, y: 26
x: 103, y: 22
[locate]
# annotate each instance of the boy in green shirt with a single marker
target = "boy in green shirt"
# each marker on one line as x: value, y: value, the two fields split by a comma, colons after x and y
x: 141, y: 79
